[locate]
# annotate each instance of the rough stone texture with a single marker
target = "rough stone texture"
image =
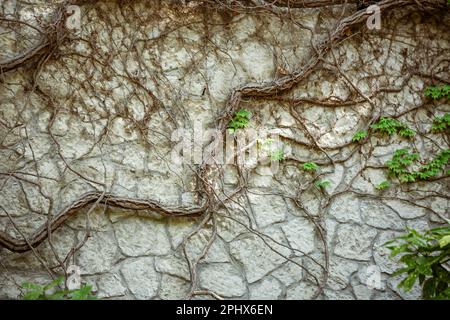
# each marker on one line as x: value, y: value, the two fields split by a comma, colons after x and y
x: 381, y: 253
x: 300, y: 235
x: 98, y: 254
x: 173, y: 266
x: 268, y: 209
x: 173, y: 288
x: 137, y: 237
x: 112, y: 121
x: 267, y: 289
x: 340, y: 272
x: 362, y: 292
x: 340, y: 209
x: 290, y: 272
x: 257, y: 259
x: 300, y: 291
x: 141, y: 278
x: 224, y: 279
x: 379, y: 216
x: 354, y: 242
x: 110, y: 285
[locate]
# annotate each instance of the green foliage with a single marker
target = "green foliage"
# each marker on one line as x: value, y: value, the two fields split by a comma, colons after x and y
x: 438, y: 92
x: 51, y: 291
x: 435, y: 166
x: 406, y: 132
x: 424, y: 256
x: 359, y: 135
x: 241, y: 120
x: 383, y: 185
x: 277, y: 155
x: 310, y: 166
x: 402, y: 159
x: 322, y: 184
x: 267, y: 142
x: 389, y: 126
x: 441, y: 123
x: 398, y: 165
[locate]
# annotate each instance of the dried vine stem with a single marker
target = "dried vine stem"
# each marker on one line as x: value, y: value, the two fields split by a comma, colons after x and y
x: 41, y: 234
x: 280, y: 85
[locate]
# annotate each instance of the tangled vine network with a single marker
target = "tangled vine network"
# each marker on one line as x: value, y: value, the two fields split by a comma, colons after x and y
x: 57, y: 84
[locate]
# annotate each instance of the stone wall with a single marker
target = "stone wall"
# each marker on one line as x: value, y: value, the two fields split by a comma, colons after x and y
x: 98, y: 113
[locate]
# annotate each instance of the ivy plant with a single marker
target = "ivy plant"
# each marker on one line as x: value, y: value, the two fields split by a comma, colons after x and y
x: 441, y: 123
x: 310, y: 166
x: 383, y: 185
x: 399, y: 165
x: 425, y: 258
x: 438, y: 92
x: 240, y: 120
x: 322, y: 184
x: 277, y: 155
x: 359, y: 135
x: 435, y: 166
x: 51, y: 291
x: 390, y: 126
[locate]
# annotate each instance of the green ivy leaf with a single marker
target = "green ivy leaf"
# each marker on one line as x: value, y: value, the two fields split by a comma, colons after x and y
x: 277, y: 155
x: 322, y: 184
x: 383, y: 185
x: 359, y: 135
x: 444, y: 241
x: 310, y: 166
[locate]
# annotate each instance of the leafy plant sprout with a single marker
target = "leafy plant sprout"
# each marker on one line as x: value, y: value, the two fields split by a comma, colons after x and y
x: 359, y: 135
x: 277, y: 155
x: 437, y: 92
x: 322, y: 184
x: 51, y: 291
x: 310, y: 166
x: 240, y: 120
x: 383, y: 185
x: 441, y: 123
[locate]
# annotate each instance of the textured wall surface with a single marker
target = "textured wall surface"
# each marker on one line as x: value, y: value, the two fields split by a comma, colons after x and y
x: 98, y: 115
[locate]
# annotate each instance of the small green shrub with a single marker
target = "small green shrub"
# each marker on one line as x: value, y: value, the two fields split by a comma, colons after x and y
x: 322, y: 184
x: 383, y: 185
x: 437, y: 92
x: 241, y: 120
x: 52, y: 292
x: 310, y: 166
x: 359, y: 135
x: 277, y: 155
x: 389, y: 127
x: 441, y: 123
x: 424, y: 256
x: 435, y: 166
x: 406, y: 132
